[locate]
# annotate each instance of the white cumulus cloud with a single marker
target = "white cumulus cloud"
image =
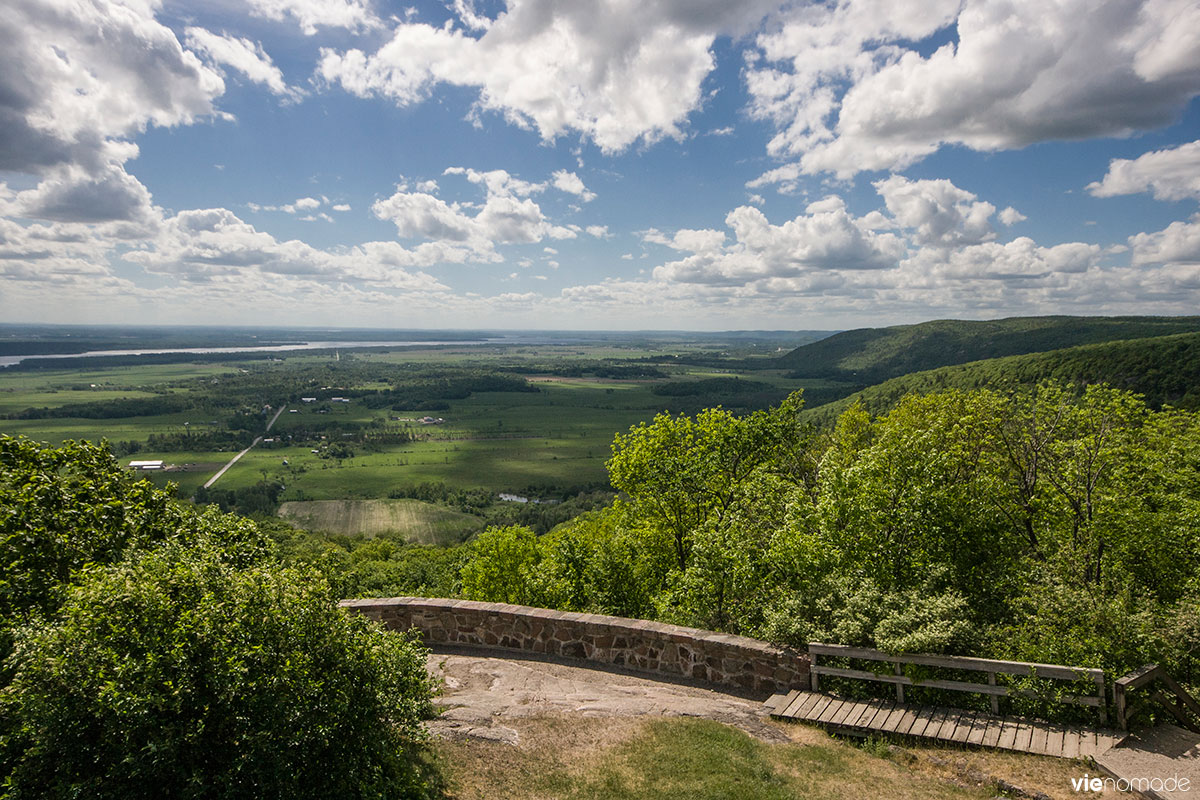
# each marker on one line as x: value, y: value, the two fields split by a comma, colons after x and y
x: 1020, y: 259
x: 71, y: 194
x: 939, y: 212
x: 614, y: 71
x: 214, y: 245
x: 507, y: 216
x: 1017, y: 72
x: 687, y: 239
x: 311, y: 15
x: 242, y: 55
x: 497, y: 182
x: 825, y: 238
x: 1178, y: 243
x: 76, y: 80
x: 572, y: 184
x: 1010, y: 216
x: 1170, y: 174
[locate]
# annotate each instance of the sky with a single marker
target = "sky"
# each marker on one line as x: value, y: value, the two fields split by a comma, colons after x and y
x: 597, y: 164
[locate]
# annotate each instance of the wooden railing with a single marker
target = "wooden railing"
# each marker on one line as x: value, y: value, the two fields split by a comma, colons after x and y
x: 990, y: 666
x: 1184, y: 702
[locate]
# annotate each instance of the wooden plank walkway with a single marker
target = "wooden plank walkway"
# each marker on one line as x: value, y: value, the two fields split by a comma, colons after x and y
x: 943, y: 724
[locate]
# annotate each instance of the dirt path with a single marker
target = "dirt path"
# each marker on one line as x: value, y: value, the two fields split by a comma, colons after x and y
x: 483, y: 692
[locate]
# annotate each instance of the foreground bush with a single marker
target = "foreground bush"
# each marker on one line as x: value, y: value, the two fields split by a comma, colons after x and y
x: 153, y: 650
x: 175, y: 676
x: 64, y: 507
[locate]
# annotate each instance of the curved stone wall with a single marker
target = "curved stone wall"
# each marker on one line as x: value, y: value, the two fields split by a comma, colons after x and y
x: 640, y: 645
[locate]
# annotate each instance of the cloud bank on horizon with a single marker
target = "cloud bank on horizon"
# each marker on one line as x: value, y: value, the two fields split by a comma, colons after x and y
x: 597, y: 163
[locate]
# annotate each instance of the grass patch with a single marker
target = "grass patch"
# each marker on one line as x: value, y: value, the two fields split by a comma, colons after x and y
x: 693, y: 758
x: 613, y: 759
x: 415, y: 520
x: 14, y: 402
x: 109, y: 377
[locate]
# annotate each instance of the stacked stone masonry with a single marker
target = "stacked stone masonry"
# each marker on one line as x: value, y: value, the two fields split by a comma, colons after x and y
x: 640, y: 645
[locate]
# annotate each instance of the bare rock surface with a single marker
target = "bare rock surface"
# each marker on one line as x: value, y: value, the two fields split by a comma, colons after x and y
x: 1165, y: 756
x: 482, y: 693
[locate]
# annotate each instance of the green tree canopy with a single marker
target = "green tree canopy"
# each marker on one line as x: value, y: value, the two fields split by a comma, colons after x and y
x: 64, y: 507
x: 1017, y: 524
x: 499, y: 566
x: 157, y: 650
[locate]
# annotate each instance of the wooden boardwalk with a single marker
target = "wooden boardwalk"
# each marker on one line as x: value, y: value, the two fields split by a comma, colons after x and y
x: 943, y: 724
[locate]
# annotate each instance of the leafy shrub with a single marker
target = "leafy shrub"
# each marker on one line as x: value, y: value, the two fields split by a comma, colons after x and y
x: 921, y: 623
x: 62, y: 508
x: 151, y: 649
x: 856, y: 611
x: 174, y: 675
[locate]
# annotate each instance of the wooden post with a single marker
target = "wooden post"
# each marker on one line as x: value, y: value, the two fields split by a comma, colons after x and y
x: 995, y: 698
x: 812, y: 673
x: 1122, y: 686
x: 899, y: 686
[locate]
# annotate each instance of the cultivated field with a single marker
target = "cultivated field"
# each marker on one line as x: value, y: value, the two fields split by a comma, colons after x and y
x: 414, y: 520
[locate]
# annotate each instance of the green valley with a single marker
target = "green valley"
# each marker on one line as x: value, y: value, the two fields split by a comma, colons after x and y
x: 1036, y: 507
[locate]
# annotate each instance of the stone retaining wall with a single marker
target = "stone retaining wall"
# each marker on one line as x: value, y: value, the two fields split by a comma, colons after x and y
x: 697, y: 655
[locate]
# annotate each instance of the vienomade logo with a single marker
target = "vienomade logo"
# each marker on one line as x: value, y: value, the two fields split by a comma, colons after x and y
x: 1154, y: 784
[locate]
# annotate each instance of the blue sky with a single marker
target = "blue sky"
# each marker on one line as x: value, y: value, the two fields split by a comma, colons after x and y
x: 687, y: 164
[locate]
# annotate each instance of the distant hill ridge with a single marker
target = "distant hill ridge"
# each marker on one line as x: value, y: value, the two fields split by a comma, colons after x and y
x: 872, y: 355
x: 1166, y: 369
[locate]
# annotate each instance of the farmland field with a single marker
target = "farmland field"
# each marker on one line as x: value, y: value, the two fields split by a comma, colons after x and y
x: 500, y: 441
x: 415, y: 520
x: 551, y: 431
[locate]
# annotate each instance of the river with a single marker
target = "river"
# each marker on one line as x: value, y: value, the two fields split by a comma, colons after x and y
x: 8, y: 361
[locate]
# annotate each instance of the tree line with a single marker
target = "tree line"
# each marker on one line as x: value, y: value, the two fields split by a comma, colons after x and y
x: 244, y: 394
x: 1051, y: 525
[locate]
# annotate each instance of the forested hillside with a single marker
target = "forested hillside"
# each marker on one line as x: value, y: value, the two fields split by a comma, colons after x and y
x: 1164, y: 369
x: 872, y: 355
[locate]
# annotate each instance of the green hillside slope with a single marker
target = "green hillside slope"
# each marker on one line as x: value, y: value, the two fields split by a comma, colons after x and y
x: 1166, y: 369
x: 873, y: 355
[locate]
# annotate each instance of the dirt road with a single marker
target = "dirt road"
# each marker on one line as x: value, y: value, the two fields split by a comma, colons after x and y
x: 234, y: 460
